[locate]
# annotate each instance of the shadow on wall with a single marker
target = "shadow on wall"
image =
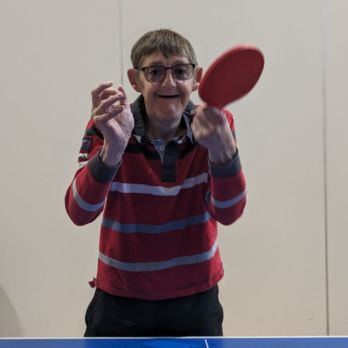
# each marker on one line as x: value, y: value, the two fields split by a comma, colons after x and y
x: 9, y: 323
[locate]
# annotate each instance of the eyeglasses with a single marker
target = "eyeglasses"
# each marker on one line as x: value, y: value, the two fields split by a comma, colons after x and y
x: 156, y: 74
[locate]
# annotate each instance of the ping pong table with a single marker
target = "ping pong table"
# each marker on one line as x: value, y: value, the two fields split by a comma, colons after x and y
x: 194, y: 342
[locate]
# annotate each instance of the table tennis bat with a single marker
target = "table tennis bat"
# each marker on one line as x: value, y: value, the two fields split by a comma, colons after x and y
x: 231, y: 76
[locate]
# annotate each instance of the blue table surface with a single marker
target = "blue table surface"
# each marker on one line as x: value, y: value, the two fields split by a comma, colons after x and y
x: 225, y: 342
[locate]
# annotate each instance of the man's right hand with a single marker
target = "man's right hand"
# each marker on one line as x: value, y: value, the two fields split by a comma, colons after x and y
x: 112, y: 115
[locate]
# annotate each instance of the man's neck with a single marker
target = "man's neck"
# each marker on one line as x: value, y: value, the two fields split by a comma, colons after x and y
x: 164, y: 132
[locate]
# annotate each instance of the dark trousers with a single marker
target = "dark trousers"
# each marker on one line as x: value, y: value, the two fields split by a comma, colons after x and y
x: 200, y: 314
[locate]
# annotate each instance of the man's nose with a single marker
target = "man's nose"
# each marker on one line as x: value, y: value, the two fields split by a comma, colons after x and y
x: 168, y: 78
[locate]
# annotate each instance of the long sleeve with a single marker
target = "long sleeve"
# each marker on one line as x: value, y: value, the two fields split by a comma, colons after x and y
x: 85, y: 197
x: 227, y: 197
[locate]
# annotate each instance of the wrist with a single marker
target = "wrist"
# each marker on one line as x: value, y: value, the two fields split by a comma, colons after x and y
x: 111, y: 155
x: 222, y: 154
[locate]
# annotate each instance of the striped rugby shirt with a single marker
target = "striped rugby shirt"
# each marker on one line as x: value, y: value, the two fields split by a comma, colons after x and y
x: 158, y: 234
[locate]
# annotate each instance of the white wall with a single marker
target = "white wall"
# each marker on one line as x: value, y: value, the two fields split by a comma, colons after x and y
x: 284, y: 260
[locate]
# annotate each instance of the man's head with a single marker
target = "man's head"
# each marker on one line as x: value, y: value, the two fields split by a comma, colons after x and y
x: 165, y: 72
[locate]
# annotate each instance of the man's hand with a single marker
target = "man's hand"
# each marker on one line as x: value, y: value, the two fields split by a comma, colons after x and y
x: 113, y: 117
x: 211, y: 130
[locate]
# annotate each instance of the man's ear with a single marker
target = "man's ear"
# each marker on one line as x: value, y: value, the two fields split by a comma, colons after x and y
x: 198, y: 77
x: 133, y: 79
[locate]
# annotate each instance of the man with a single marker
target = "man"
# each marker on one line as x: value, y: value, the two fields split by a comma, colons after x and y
x: 163, y: 172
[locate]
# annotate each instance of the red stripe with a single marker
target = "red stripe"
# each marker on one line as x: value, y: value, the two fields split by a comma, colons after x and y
x: 140, y: 170
x: 229, y: 215
x: 170, y: 283
x: 149, y: 209
x: 226, y: 188
x: 84, y: 183
x: 143, y: 247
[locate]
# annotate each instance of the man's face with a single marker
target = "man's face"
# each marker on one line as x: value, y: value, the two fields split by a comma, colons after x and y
x: 165, y: 100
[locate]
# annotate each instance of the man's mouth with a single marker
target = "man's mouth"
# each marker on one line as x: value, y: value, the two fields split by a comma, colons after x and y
x: 171, y: 96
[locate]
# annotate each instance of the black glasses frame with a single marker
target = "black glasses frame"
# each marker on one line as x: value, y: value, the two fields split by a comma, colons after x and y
x: 144, y: 69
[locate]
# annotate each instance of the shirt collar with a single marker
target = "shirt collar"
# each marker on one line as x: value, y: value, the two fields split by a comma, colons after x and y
x: 139, y: 114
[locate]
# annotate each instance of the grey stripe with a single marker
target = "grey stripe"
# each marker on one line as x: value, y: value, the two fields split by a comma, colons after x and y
x: 160, y: 265
x: 229, y: 203
x: 145, y: 228
x: 159, y: 190
x: 82, y: 203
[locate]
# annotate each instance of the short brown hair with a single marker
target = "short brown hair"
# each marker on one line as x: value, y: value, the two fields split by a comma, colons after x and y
x: 166, y: 41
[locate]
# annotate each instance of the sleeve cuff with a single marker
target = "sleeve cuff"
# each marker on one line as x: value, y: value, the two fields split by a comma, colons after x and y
x: 100, y: 171
x: 230, y: 168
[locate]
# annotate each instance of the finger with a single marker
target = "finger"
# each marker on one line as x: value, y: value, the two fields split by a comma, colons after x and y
x: 201, y: 126
x: 200, y: 117
x: 96, y: 93
x: 116, y: 110
x: 121, y: 98
x: 198, y: 109
x: 213, y: 115
x: 107, y: 103
x: 123, y: 95
x: 107, y: 93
